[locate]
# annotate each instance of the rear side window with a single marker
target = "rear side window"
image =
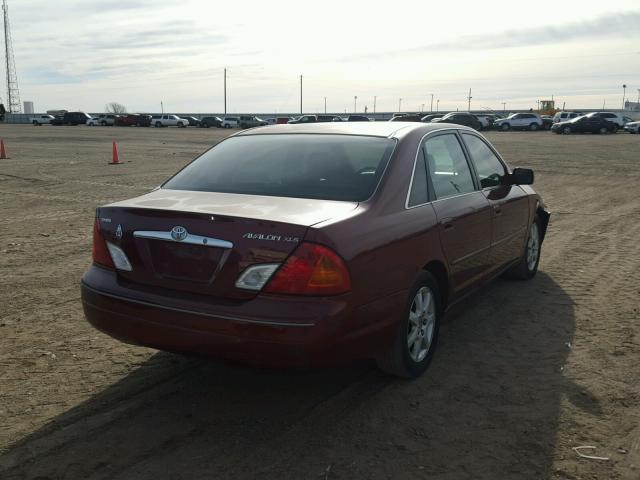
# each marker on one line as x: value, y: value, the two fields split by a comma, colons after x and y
x: 448, y: 168
x: 419, y: 194
x: 490, y: 169
x: 329, y: 167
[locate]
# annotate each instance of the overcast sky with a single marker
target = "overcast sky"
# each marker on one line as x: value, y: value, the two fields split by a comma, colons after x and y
x: 81, y: 54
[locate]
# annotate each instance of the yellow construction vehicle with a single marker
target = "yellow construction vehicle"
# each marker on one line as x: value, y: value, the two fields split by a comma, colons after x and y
x: 547, y: 107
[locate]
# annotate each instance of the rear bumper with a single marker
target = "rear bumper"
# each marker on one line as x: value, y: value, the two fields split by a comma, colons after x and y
x: 267, y: 330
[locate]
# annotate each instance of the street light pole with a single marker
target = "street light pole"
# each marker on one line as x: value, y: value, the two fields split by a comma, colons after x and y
x: 469, y: 100
x: 399, y: 105
x: 375, y: 98
x: 431, y: 110
x: 161, y: 107
x: 624, y: 93
x: 325, y: 104
x: 355, y: 103
x: 438, y: 105
x: 225, y: 91
x: 300, y: 94
x: 504, y: 107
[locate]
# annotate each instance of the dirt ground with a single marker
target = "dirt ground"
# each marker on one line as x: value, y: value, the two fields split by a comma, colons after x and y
x: 525, y: 371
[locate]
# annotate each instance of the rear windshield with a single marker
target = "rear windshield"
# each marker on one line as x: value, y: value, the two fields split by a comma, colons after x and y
x: 329, y: 167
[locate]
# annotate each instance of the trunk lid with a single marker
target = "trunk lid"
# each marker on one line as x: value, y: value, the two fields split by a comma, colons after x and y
x: 200, y: 242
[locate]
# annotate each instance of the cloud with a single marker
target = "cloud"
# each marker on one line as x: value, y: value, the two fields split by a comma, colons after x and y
x: 626, y: 24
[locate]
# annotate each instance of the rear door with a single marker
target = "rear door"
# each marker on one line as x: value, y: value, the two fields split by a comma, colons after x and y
x: 509, y: 203
x: 463, y: 212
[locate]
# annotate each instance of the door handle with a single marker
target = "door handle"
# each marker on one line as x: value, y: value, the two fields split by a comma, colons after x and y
x: 497, y: 209
x: 447, y: 223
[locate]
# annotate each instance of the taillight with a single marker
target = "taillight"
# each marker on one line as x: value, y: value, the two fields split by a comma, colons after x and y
x: 311, y: 270
x: 100, y: 252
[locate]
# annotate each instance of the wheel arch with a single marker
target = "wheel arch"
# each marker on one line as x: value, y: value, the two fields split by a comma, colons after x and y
x: 440, y: 273
x: 543, y: 216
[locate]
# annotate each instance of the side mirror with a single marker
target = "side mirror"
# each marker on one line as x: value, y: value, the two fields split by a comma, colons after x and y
x: 522, y: 176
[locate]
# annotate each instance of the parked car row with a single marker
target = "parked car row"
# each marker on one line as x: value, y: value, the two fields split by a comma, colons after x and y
x: 562, y: 122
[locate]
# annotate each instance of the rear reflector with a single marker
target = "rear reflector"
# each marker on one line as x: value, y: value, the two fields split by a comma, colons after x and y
x: 312, y: 269
x: 100, y: 253
x: 119, y: 258
x: 254, y: 277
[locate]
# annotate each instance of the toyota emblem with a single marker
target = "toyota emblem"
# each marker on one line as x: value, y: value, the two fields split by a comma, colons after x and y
x: 178, y: 233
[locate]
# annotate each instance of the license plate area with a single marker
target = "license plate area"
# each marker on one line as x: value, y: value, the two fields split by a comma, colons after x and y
x: 185, y: 262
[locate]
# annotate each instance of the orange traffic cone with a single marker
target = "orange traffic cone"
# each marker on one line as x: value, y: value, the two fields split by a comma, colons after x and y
x: 3, y: 153
x: 116, y: 160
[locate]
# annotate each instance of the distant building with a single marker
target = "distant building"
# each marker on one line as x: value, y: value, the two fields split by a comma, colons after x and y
x: 632, y: 106
x: 28, y: 107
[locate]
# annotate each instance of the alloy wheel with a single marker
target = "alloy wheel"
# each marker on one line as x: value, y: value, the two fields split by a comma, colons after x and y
x: 533, y: 247
x: 422, y: 321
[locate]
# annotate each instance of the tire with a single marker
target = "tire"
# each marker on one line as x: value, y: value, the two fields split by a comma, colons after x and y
x: 158, y: 124
x: 103, y: 124
x: 533, y: 127
x: 204, y: 125
x: 407, y: 361
x: 603, y: 130
x: 566, y: 130
x: 35, y: 123
x: 181, y: 125
x: 505, y: 127
x: 527, y: 266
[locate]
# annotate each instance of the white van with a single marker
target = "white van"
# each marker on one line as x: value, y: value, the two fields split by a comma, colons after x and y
x: 564, y: 116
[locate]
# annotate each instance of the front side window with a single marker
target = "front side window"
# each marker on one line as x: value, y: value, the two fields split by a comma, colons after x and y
x: 490, y: 169
x: 328, y: 167
x: 448, y: 168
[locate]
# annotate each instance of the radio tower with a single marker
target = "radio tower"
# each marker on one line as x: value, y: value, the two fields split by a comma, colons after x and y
x: 13, y: 94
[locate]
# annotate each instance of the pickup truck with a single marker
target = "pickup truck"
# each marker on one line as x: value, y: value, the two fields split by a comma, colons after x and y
x: 41, y: 119
x: 168, y: 121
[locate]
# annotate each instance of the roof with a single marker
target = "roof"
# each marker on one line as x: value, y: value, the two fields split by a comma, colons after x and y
x: 377, y: 129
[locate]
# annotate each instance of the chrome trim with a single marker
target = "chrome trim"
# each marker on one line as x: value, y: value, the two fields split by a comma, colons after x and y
x: 509, y: 237
x: 191, y: 312
x: 469, y: 255
x: 456, y: 196
x: 190, y: 239
x: 413, y: 171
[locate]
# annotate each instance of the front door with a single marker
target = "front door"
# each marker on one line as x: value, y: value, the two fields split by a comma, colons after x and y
x: 509, y: 203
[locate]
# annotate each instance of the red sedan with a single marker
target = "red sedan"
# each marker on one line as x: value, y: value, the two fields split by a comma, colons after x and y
x: 321, y: 243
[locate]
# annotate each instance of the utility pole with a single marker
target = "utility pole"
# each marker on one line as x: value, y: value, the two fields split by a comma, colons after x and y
x: 469, y: 100
x: 355, y: 103
x: 624, y: 93
x: 431, y: 110
x: 225, y: 91
x: 400, y: 105
x: 375, y: 98
x: 325, y: 104
x: 300, y: 94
